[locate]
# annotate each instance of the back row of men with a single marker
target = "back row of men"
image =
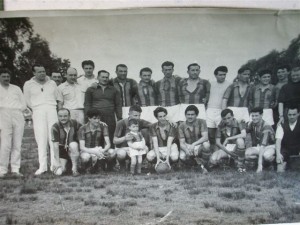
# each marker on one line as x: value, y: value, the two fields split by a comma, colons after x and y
x: 81, y: 95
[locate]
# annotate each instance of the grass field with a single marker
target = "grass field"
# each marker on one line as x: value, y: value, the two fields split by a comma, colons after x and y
x: 182, y: 197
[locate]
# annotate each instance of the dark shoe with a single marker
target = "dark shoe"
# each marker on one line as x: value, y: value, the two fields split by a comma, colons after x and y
x: 17, y: 175
x: 75, y: 173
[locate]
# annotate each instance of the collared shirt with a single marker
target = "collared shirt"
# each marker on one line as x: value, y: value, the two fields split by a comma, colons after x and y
x: 146, y: 96
x: 73, y: 95
x: 234, y: 97
x: 167, y: 92
x: 235, y: 129
x: 261, y: 134
x: 265, y: 99
x: 12, y: 97
x: 64, y: 138
x: 128, y: 91
x: 37, y: 94
x: 196, y: 97
x: 122, y: 129
x: 217, y: 91
x: 289, y: 94
x: 108, y: 100
x: 162, y: 138
x: 280, y: 132
x: 85, y: 82
x: 92, y: 139
x: 192, y: 134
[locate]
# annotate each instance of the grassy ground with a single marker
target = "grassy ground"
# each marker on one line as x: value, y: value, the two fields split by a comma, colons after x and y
x: 184, y: 197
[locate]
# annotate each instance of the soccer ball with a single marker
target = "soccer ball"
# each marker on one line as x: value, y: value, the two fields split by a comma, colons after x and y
x: 162, y: 167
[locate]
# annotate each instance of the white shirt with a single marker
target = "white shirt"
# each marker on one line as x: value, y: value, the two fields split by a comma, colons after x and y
x: 217, y: 91
x: 11, y: 97
x: 73, y: 95
x: 85, y: 83
x: 279, y: 131
x: 37, y: 94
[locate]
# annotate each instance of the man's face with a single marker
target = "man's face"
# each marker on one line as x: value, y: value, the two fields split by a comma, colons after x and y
x: 134, y: 115
x: 190, y: 116
x: 194, y: 72
x: 161, y: 117
x: 282, y: 74
x: 94, y: 120
x: 39, y: 73
x: 146, y: 76
x: 228, y: 119
x: 134, y: 128
x: 88, y: 70
x: 71, y: 76
x: 56, y: 77
x: 245, y: 76
x: 265, y: 79
x: 121, y: 73
x: 63, y: 116
x: 295, y: 76
x: 103, y: 78
x: 256, y: 117
x: 221, y: 76
x: 168, y: 71
x: 5, y: 79
x: 292, y: 115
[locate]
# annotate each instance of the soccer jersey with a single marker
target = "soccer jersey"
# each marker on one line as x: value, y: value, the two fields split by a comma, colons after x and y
x: 128, y: 91
x: 232, y: 94
x: 261, y: 134
x: 167, y: 92
x: 217, y: 91
x: 235, y: 129
x: 265, y: 99
x: 162, y: 134
x: 92, y: 138
x: 64, y: 138
x: 192, y: 133
x: 146, y: 94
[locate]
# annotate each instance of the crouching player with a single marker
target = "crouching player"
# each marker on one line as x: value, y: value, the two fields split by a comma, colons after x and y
x: 230, y: 140
x: 65, y: 141
x: 162, y: 134
x: 91, y: 138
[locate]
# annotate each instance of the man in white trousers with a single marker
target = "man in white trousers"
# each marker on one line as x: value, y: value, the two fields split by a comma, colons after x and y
x: 12, y: 103
x: 43, y: 96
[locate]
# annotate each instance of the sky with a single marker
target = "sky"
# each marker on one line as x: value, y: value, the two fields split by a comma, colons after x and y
x: 147, y: 38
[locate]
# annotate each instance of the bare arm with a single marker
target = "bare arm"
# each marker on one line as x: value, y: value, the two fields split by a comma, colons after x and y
x: 280, y: 111
x: 279, y: 157
x: 107, y: 143
x: 203, y: 139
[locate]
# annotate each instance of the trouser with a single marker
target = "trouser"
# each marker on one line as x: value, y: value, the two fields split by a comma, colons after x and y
x: 108, y: 117
x: 78, y: 115
x: 43, y: 119
x: 12, y: 129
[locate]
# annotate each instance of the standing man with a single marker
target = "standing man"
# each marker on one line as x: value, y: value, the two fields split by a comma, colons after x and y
x: 126, y: 86
x: 146, y: 90
x: 166, y: 88
x: 43, y: 96
x: 65, y: 140
x: 214, y: 106
x: 57, y: 78
x: 287, y: 139
x: 237, y: 95
x: 72, y: 95
x: 12, y: 103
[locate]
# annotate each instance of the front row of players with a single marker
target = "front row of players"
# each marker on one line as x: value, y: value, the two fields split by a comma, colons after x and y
x: 241, y: 142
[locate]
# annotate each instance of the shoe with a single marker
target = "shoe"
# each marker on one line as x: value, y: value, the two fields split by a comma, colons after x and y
x: 40, y: 172
x: 75, y: 173
x: 17, y: 174
x: 241, y: 170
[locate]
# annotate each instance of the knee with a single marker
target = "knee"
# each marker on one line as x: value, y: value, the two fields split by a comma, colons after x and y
x: 73, y: 147
x: 174, y: 157
x: 151, y: 156
x: 214, y: 158
x: 248, y: 153
x: 182, y: 156
x: 240, y: 143
x: 269, y: 156
x: 85, y: 157
x: 121, y: 154
x: 111, y: 153
x: 206, y: 146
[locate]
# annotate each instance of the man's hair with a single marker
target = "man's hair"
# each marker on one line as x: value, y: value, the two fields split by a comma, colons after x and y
x: 242, y: 69
x: 88, y: 62
x: 5, y: 70
x: 221, y: 69
x: 167, y: 63
x: 59, y: 72
x: 135, y: 108
x: 146, y: 69
x: 295, y: 67
x: 120, y: 65
x: 259, y: 110
x: 103, y: 71
x: 92, y: 113
x: 282, y: 67
x: 293, y: 107
x: 64, y: 109
x: 133, y: 121
x: 158, y: 110
x: 193, y: 64
x: 191, y: 108
x: 36, y: 65
x: 225, y: 112
x: 263, y: 72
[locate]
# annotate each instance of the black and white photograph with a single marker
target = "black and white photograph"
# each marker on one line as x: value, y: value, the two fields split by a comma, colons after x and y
x: 150, y: 116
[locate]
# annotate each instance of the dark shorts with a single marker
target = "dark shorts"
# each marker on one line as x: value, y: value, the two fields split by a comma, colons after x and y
x: 63, y: 153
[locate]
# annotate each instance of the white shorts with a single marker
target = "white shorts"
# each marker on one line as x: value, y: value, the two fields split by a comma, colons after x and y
x: 213, y: 117
x: 240, y: 113
x: 134, y: 152
x: 267, y: 116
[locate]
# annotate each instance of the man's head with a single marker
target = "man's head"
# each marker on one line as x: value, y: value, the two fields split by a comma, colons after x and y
x: 227, y: 116
x: 103, y: 77
x: 191, y: 113
x: 145, y: 74
x: 56, y: 77
x: 167, y: 68
x: 5, y: 76
x: 93, y: 116
x: 88, y: 67
x: 133, y: 125
x: 121, y: 71
x: 256, y: 114
x: 293, y: 114
x: 63, y: 115
x: 244, y: 74
x: 283, y: 71
x: 135, y: 112
x: 220, y: 73
x: 160, y: 114
x: 71, y: 75
x: 193, y: 71
x: 295, y: 74
x: 39, y: 72
x: 265, y: 77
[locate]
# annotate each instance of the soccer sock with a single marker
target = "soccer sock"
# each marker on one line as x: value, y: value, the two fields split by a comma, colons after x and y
x: 241, y: 157
x: 132, y: 168
x: 139, y: 168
